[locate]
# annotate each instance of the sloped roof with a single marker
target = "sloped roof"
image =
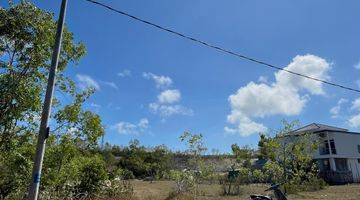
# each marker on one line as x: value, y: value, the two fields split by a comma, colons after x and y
x: 315, y: 127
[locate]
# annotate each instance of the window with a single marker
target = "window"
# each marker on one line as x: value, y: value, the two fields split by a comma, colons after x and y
x: 324, y: 164
x: 324, y: 148
x: 359, y: 148
x: 359, y: 160
x: 341, y: 164
x: 332, y: 145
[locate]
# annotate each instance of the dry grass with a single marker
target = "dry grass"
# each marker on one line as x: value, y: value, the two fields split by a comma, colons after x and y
x: 160, y: 190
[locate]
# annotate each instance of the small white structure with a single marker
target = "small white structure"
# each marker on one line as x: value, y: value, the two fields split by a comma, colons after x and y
x: 338, y: 155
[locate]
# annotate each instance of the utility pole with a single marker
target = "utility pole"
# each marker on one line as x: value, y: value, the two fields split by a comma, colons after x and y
x: 44, y: 130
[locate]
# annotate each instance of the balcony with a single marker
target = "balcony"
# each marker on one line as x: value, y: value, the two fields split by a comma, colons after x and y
x: 324, y: 147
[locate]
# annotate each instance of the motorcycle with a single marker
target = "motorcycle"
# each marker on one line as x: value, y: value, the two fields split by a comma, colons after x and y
x: 279, y: 195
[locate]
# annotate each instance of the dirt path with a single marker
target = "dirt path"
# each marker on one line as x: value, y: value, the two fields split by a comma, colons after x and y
x: 159, y: 190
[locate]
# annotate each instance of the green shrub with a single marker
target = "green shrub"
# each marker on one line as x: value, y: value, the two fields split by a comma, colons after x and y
x: 273, y: 172
x: 258, y: 176
x: 185, y: 180
x: 127, y: 174
x: 244, y: 176
x: 92, y: 173
x: 116, y: 188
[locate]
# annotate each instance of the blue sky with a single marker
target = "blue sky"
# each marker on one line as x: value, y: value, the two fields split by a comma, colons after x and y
x: 152, y: 86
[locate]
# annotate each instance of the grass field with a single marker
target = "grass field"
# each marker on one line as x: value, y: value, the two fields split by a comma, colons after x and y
x: 160, y: 190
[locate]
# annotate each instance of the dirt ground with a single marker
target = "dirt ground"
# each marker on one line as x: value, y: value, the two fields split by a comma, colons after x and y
x: 159, y: 190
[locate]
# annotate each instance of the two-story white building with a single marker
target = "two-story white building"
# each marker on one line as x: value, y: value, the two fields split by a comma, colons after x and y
x: 338, y: 155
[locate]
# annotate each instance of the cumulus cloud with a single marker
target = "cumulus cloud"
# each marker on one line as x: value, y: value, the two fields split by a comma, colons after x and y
x: 143, y: 123
x: 168, y: 100
x: 263, y: 79
x: 334, y: 111
x: 288, y: 95
x: 169, y: 96
x: 356, y: 104
x: 162, y: 82
x: 354, y: 120
x: 85, y: 81
x: 310, y: 65
x: 128, y: 128
x: 168, y: 110
x: 245, y: 126
x: 124, y: 73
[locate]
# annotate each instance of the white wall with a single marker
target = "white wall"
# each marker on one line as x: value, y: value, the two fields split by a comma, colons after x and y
x: 354, y: 167
x: 346, y: 144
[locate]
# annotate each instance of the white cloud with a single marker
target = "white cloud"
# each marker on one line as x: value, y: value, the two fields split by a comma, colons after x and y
x: 357, y: 65
x: 263, y: 79
x: 161, y: 82
x: 143, y: 123
x: 169, y: 110
x: 354, y: 120
x: 110, y: 84
x: 261, y: 100
x: 286, y: 96
x: 310, y: 65
x: 356, y: 104
x: 124, y: 73
x: 245, y: 126
x: 334, y: 111
x: 86, y: 81
x: 130, y: 128
x: 169, y: 96
x: 165, y: 105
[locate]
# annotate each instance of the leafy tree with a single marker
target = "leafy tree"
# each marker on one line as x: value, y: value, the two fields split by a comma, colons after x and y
x: 290, y: 158
x: 195, y: 147
x: 187, y: 181
x: 143, y: 162
x: 27, y: 36
x: 92, y: 173
x: 266, y: 147
x: 243, y: 155
x: 26, y: 40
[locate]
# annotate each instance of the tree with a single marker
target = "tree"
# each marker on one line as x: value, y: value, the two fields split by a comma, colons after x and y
x: 243, y: 155
x: 290, y: 158
x: 26, y: 40
x: 266, y: 148
x: 27, y: 36
x: 195, y: 144
x: 188, y: 179
x: 144, y: 162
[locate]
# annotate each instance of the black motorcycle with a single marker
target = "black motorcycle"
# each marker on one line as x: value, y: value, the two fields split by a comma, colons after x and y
x: 279, y: 195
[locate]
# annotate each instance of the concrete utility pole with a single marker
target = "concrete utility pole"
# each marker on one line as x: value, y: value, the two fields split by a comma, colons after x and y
x: 44, y: 130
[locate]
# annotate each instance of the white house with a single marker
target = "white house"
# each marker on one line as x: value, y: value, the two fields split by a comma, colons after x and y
x: 338, y: 155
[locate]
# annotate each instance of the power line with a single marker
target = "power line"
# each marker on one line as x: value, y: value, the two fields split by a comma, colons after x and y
x: 226, y: 51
